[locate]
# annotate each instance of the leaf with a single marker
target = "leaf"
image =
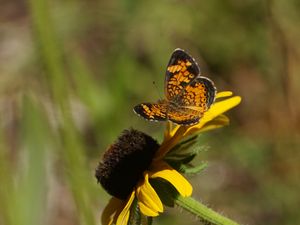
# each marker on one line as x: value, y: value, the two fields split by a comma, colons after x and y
x: 191, y: 170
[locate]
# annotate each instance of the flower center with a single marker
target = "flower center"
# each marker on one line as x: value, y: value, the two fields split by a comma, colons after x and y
x: 125, y: 161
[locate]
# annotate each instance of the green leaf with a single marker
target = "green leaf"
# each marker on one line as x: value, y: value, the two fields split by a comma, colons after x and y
x: 191, y: 170
x: 181, y: 159
x: 186, y: 149
x: 183, y: 145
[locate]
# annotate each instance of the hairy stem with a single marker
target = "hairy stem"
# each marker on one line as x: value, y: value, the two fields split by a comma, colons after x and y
x: 204, y: 213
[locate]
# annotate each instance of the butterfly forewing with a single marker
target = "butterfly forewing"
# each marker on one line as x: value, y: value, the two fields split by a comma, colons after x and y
x: 181, y: 71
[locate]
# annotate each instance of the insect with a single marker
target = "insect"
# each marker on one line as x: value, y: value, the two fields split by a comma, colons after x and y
x: 188, y: 95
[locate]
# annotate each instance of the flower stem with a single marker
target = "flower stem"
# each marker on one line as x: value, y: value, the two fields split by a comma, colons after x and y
x: 203, y: 212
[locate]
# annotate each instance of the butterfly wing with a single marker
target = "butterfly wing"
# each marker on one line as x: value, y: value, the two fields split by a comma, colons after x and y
x: 183, y: 115
x: 182, y: 69
x: 152, y: 111
x: 198, y: 95
x: 163, y: 112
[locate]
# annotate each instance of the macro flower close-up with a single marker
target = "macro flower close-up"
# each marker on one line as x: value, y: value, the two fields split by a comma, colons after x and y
x: 135, y: 160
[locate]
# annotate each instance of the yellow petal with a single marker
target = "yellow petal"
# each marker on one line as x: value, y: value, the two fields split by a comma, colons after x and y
x: 224, y: 94
x: 219, y: 108
x: 217, y: 122
x: 124, y: 215
x: 148, y: 201
x: 163, y: 170
x: 215, y: 110
x: 112, y: 211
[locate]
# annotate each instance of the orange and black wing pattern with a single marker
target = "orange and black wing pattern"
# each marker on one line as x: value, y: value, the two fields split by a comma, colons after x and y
x: 182, y: 69
x: 183, y: 116
x: 188, y: 95
x: 199, y: 94
x: 152, y: 111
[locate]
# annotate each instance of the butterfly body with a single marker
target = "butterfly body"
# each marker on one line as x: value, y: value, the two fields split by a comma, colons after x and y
x: 188, y: 95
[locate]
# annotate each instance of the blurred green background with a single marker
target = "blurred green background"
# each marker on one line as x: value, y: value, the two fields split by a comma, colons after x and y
x: 71, y: 71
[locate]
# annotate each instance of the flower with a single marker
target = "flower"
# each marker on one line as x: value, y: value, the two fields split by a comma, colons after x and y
x: 135, y: 159
x: 125, y: 172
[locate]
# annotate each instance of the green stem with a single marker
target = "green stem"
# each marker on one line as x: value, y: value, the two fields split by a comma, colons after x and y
x: 202, y: 211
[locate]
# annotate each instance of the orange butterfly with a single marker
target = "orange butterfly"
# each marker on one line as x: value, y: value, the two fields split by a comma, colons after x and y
x: 188, y: 95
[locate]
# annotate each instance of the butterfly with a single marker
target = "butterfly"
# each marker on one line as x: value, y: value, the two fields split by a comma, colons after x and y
x: 188, y: 95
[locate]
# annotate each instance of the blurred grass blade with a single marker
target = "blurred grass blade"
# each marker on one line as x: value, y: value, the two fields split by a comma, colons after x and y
x: 97, y: 98
x: 49, y: 49
x: 23, y: 186
x: 6, y: 181
x: 30, y: 197
x: 70, y: 143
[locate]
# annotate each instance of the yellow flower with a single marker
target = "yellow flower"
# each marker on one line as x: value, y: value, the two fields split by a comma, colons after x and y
x: 118, y: 209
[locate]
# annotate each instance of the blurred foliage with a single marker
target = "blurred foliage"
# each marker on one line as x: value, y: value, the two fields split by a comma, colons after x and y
x: 71, y: 71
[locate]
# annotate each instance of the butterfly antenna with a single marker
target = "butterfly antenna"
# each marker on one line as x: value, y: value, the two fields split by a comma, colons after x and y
x: 158, y: 93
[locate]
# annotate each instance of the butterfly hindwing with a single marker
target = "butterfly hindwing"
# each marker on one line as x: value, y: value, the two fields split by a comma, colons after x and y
x: 182, y: 69
x: 200, y: 93
x: 183, y: 116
